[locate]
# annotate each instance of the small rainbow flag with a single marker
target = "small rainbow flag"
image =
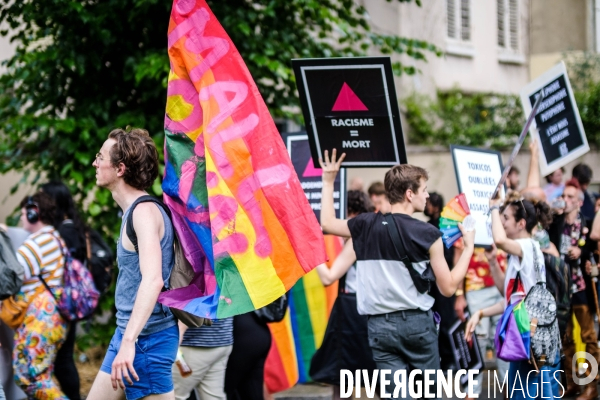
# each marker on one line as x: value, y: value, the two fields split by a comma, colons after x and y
x: 454, y: 212
x: 238, y: 208
x: 513, y: 333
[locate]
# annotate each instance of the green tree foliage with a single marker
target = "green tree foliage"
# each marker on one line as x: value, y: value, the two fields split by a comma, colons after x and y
x: 494, y: 120
x: 584, y: 74
x: 82, y: 68
x: 479, y: 119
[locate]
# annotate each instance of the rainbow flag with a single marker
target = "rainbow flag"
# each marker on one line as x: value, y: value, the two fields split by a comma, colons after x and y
x: 513, y: 333
x: 238, y: 207
x: 300, y: 334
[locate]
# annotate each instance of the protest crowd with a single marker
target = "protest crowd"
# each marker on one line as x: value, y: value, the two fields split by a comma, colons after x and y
x: 203, y: 276
x: 391, y: 315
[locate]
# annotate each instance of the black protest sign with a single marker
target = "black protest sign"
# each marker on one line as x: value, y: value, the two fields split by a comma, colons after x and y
x: 350, y: 104
x: 467, y: 355
x: 558, y: 126
x: 310, y: 176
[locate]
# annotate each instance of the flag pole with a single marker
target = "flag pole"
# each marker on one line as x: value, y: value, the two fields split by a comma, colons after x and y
x: 519, y: 143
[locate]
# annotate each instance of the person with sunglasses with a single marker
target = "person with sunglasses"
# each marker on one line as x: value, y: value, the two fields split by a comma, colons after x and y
x: 512, y: 225
x: 140, y: 356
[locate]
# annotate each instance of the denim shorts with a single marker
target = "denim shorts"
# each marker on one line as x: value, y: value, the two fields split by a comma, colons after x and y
x: 153, y: 362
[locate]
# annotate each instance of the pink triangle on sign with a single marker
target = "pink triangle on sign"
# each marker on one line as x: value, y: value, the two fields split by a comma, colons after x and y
x: 310, y: 171
x: 347, y: 100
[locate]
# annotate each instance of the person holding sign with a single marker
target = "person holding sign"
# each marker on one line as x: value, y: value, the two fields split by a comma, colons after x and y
x: 512, y: 227
x: 398, y: 259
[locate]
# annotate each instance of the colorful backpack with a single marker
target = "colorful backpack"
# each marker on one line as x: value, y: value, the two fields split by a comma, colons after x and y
x: 513, y: 334
x: 79, y: 297
x: 528, y: 330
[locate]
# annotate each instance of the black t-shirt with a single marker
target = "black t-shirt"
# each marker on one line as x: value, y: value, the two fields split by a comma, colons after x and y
x: 384, y: 284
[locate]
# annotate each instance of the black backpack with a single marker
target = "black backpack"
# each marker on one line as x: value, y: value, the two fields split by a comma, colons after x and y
x: 182, y: 272
x: 99, y: 260
x: 558, y: 282
x: 273, y: 312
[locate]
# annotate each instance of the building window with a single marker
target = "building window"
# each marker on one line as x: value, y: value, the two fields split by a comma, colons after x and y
x: 508, y: 25
x: 459, y: 19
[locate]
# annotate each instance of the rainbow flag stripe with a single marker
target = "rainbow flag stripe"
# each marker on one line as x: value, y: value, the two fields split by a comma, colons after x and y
x: 238, y: 207
x: 300, y: 334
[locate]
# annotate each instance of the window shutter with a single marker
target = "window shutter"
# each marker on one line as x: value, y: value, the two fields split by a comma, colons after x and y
x: 465, y: 20
x: 501, y: 19
x: 451, y: 11
x: 514, y: 24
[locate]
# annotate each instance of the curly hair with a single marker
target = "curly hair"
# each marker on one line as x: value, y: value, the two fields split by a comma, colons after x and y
x: 359, y: 202
x: 136, y: 150
x: 401, y: 178
x: 45, y: 206
x: 531, y: 210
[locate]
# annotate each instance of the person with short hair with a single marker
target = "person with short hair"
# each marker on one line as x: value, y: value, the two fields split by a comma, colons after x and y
x: 583, y: 174
x: 569, y: 233
x: 401, y: 327
x: 377, y: 194
x: 141, y: 354
x: 43, y: 330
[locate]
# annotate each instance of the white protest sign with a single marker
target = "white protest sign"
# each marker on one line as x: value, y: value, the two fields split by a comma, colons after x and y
x: 477, y: 175
x: 557, y: 125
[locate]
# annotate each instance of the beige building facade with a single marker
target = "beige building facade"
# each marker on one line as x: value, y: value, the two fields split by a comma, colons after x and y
x: 485, y: 43
x: 562, y: 28
x: 489, y: 46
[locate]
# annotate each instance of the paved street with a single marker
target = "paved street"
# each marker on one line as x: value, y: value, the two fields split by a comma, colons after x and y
x: 321, y: 392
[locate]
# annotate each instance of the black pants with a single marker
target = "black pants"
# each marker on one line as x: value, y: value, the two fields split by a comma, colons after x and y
x: 64, y: 366
x: 245, y: 372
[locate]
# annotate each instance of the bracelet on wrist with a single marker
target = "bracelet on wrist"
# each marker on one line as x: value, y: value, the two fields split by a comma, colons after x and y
x: 495, y: 207
x: 459, y: 292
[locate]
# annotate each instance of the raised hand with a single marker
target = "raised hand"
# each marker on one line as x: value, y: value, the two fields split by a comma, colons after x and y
x: 331, y: 166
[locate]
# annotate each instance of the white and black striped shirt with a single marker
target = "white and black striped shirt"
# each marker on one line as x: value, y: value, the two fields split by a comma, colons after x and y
x: 41, y: 254
x: 219, y: 334
x: 384, y: 284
